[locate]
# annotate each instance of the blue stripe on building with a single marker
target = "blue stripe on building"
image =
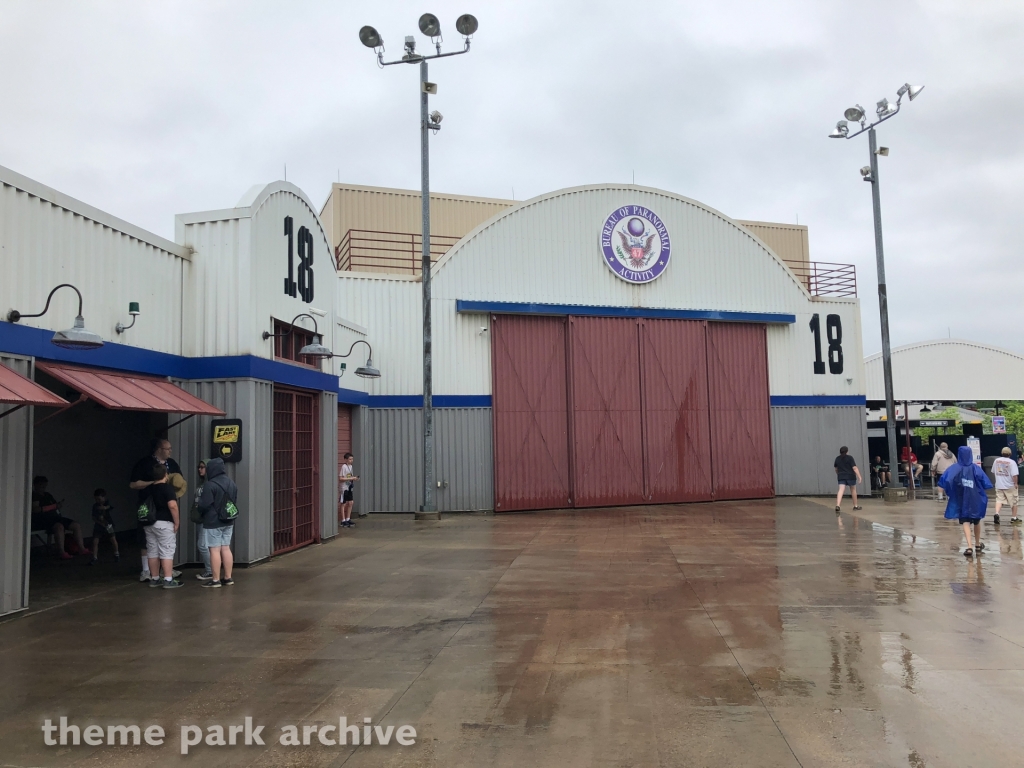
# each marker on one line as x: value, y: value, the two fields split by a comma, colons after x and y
x: 804, y: 401
x: 580, y: 310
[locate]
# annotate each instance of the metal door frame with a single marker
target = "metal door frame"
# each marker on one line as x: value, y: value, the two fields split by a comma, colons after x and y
x: 314, y: 399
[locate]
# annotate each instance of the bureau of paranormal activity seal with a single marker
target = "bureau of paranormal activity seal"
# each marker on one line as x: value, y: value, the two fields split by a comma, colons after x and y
x: 635, y: 244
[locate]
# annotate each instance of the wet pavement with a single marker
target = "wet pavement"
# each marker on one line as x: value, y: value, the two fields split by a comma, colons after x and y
x: 749, y: 633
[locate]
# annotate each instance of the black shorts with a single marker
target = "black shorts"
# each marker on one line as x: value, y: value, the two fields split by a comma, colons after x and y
x: 100, y: 531
x: 45, y: 521
x: 347, y: 496
x: 847, y: 480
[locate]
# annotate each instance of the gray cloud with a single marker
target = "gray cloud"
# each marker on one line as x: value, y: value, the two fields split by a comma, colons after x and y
x: 147, y: 110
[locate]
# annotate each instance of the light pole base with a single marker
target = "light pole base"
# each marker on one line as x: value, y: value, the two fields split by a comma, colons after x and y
x: 428, y: 515
x: 894, y: 494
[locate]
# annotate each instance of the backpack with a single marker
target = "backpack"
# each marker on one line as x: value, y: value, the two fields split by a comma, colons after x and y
x: 147, y: 512
x: 227, y: 512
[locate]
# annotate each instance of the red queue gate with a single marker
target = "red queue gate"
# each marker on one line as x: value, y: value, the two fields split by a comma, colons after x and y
x: 593, y: 411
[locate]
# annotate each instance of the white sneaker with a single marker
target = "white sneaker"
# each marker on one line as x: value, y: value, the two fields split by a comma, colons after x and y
x: 144, y: 577
x: 175, y: 574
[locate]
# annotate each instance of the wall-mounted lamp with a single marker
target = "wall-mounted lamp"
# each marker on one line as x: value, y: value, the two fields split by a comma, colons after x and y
x: 133, y: 310
x: 314, y: 349
x: 77, y: 337
x: 367, y: 371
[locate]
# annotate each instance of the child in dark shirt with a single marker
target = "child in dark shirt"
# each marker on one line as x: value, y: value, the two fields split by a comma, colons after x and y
x: 102, y: 525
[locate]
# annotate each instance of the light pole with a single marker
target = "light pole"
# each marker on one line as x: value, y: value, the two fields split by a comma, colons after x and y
x: 856, y: 114
x: 431, y: 27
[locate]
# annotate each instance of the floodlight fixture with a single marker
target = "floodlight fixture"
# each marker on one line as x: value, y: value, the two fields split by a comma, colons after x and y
x: 855, y: 113
x: 76, y: 337
x: 841, y: 130
x: 369, y: 37
x: 430, y: 26
x: 467, y: 24
x: 436, y: 117
x: 911, y: 91
x: 883, y: 108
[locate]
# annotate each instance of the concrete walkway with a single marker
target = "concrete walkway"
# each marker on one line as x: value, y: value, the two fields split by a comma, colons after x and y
x: 732, y: 634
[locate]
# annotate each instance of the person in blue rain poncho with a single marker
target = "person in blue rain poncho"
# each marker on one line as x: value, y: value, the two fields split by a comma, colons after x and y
x: 965, y: 483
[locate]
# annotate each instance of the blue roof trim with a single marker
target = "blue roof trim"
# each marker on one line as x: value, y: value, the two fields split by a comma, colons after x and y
x: 514, y: 308
x: 35, y: 342
x: 440, y: 401
x: 798, y: 401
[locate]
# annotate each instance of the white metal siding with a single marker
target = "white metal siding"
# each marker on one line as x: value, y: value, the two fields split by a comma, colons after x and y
x: 44, y: 244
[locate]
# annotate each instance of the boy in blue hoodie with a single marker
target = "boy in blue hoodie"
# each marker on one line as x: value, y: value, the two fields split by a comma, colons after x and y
x: 217, y: 491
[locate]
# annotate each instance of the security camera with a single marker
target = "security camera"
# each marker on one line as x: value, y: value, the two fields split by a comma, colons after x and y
x: 410, y: 43
x: 865, y: 171
x: 436, y: 117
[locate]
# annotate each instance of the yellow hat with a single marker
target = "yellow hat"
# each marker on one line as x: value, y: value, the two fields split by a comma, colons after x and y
x: 178, y: 483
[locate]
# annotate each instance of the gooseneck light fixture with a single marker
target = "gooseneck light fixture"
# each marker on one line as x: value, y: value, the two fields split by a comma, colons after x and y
x: 429, y: 25
x: 314, y: 349
x: 857, y: 114
x: 367, y: 371
x: 133, y: 310
x: 76, y: 337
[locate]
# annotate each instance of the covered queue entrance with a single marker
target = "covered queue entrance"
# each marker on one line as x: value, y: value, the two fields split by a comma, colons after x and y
x: 607, y: 411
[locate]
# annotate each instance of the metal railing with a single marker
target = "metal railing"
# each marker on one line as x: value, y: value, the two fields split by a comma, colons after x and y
x: 823, y: 278
x: 365, y: 250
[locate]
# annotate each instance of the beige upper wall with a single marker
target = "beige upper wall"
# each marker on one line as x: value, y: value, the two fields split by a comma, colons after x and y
x: 789, y: 241
x: 381, y: 209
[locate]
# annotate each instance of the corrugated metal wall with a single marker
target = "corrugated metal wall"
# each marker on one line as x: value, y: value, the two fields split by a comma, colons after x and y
x: 530, y: 406
x: 741, y: 441
x: 789, y: 241
x: 805, y: 442
x: 47, y: 238
x: 381, y: 209
x: 253, y: 402
x: 328, y: 465
x: 608, y: 445
x: 389, y: 461
x: 15, y: 497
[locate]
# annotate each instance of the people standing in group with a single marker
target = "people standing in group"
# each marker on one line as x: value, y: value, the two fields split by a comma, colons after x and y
x: 218, y: 508
x: 965, y: 484
x: 102, y: 525
x: 46, y: 516
x: 196, y: 517
x: 881, y: 471
x: 941, y: 461
x: 161, y: 527
x: 347, y: 479
x: 141, y: 478
x: 1006, y: 473
x: 848, y: 475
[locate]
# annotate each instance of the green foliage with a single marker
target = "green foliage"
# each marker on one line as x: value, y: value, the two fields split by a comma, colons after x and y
x: 925, y: 433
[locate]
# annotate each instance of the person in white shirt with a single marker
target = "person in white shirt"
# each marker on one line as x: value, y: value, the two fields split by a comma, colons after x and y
x: 347, y: 478
x: 1005, y: 471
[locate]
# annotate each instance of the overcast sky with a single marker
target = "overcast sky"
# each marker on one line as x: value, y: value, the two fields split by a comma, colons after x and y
x: 148, y: 109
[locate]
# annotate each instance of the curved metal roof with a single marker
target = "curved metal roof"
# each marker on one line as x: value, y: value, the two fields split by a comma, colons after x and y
x: 949, y: 369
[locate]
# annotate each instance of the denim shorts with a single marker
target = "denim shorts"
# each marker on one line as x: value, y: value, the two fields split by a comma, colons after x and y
x: 219, y: 537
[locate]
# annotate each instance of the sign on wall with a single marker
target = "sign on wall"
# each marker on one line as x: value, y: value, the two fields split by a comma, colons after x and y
x: 635, y: 244
x: 998, y: 425
x: 226, y: 435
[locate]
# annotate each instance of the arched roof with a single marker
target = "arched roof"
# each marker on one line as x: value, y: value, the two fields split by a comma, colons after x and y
x: 258, y: 194
x: 949, y: 369
x: 532, y: 247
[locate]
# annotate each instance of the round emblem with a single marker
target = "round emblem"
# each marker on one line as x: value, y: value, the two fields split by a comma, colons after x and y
x: 635, y: 244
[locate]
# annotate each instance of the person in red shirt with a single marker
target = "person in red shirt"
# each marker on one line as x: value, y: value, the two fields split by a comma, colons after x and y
x: 909, y: 459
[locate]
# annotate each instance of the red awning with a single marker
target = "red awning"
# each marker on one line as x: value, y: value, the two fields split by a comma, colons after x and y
x: 19, y: 390
x: 129, y: 391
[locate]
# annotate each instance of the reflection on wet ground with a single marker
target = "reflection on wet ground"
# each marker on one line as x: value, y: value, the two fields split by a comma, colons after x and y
x: 766, y: 633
